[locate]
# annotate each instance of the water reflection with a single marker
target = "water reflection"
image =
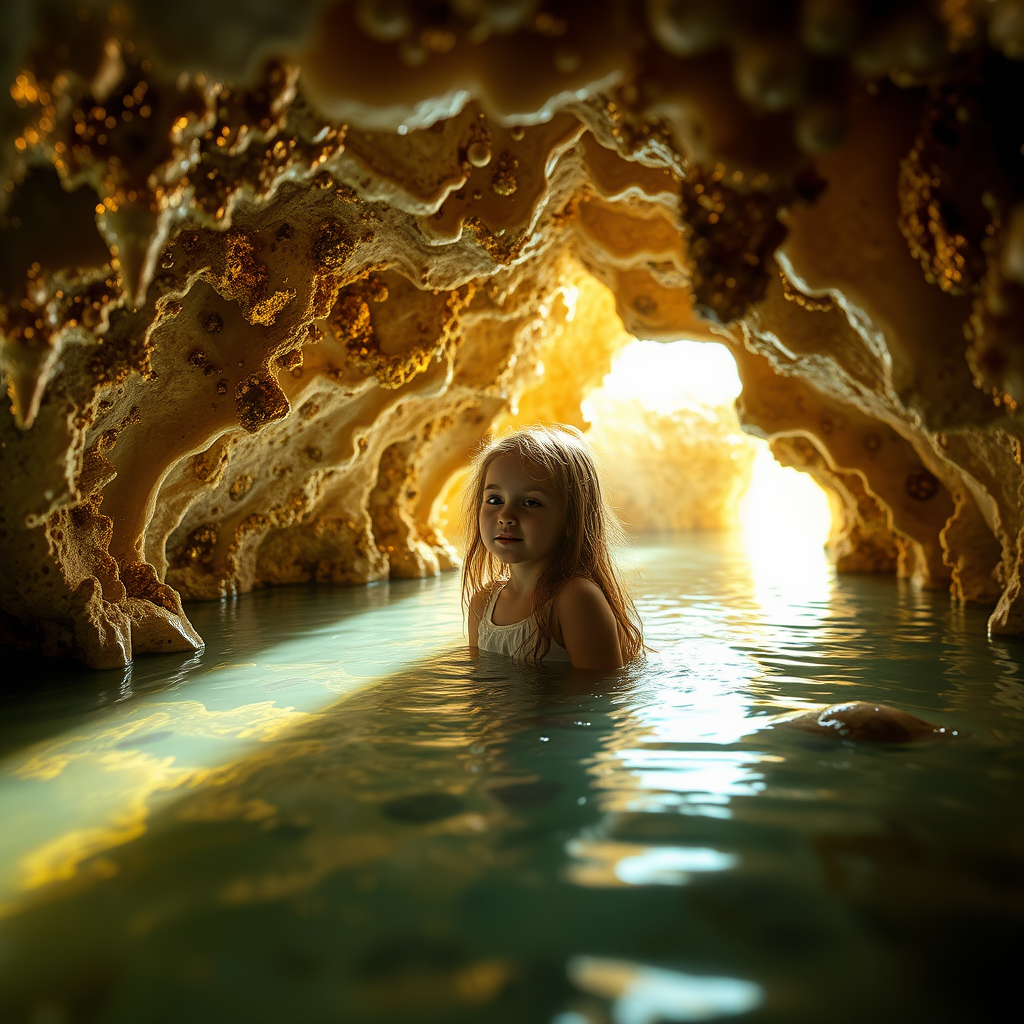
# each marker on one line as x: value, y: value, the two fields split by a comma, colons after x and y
x: 603, y: 863
x: 270, y: 662
x: 646, y: 995
x: 322, y: 818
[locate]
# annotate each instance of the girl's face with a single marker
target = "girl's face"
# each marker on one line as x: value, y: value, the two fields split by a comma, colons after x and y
x: 522, y: 516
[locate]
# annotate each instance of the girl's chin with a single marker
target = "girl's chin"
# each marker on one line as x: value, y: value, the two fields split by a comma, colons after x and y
x: 508, y: 555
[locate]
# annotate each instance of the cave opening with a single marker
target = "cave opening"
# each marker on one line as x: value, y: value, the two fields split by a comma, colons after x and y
x: 673, y: 453
x: 682, y: 396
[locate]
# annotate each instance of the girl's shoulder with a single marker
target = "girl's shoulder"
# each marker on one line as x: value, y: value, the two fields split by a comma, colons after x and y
x: 580, y: 585
x: 478, y: 602
x: 586, y: 624
x: 580, y: 595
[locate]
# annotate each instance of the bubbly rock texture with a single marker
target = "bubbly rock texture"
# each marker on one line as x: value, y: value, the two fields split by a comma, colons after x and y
x: 265, y: 280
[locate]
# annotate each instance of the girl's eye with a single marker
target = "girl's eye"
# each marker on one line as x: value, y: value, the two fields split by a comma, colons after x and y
x: 492, y: 499
x: 531, y: 503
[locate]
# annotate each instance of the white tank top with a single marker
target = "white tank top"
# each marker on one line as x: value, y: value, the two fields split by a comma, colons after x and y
x: 515, y: 640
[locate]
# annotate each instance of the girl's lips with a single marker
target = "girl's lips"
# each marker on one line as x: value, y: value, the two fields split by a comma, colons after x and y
x: 503, y: 539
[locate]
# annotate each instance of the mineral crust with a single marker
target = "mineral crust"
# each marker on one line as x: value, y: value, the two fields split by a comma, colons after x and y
x: 265, y: 281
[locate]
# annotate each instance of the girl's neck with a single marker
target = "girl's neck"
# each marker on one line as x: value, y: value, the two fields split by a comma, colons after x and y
x: 523, y: 579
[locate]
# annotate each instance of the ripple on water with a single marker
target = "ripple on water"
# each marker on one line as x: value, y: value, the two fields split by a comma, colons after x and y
x: 334, y: 811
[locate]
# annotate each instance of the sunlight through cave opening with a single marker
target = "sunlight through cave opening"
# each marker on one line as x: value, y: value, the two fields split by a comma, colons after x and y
x: 675, y: 457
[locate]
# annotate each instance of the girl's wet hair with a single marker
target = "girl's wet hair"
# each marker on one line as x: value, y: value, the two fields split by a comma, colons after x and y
x: 562, y: 455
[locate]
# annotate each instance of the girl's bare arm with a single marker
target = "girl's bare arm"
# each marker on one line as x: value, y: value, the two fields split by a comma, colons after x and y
x: 589, y: 631
x: 476, y: 608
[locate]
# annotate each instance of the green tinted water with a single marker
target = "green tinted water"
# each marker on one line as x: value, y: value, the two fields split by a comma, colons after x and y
x: 334, y: 814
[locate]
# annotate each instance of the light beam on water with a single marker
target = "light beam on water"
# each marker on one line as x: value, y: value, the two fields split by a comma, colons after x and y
x: 96, y: 786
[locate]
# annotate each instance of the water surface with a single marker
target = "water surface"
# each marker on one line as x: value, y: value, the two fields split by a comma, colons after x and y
x: 335, y: 814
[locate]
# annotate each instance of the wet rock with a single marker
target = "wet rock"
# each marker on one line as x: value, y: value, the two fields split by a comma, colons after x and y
x: 863, y: 721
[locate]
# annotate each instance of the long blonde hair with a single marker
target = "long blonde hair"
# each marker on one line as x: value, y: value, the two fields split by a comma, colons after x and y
x: 591, y: 530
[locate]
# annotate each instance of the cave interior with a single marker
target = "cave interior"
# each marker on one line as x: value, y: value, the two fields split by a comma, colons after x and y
x: 266, y: 281
x: 270, y: 271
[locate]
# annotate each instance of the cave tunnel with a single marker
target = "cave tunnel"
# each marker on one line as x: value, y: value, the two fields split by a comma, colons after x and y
x: 271, y: 273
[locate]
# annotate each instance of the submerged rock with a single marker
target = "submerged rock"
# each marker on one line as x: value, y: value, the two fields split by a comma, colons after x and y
x: 866, y: 722
x: 517, y: 795
x: 422, y: 808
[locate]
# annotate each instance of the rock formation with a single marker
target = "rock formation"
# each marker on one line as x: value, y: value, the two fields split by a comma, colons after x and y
x: 264, y: 280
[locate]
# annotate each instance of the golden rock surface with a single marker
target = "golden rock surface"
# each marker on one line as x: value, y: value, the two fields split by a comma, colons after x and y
x: 265, y: 281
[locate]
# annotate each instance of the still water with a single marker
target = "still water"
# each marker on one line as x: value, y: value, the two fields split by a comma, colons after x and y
x: 334, y: 814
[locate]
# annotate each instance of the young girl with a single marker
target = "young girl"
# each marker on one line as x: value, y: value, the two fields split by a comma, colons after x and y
x: 538, y: 579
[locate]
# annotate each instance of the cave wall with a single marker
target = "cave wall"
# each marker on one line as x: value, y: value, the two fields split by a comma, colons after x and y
x: 264, y: 281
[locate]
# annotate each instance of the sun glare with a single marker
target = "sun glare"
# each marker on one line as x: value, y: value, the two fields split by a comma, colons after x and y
x: 665, y: 377
x: 784, y: 510
x: 784, y: 515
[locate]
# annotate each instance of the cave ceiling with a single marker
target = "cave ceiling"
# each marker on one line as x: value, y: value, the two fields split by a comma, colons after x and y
x: 269, y: 270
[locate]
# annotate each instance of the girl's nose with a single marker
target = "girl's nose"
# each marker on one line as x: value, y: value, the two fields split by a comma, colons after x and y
x: 507, y: 518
